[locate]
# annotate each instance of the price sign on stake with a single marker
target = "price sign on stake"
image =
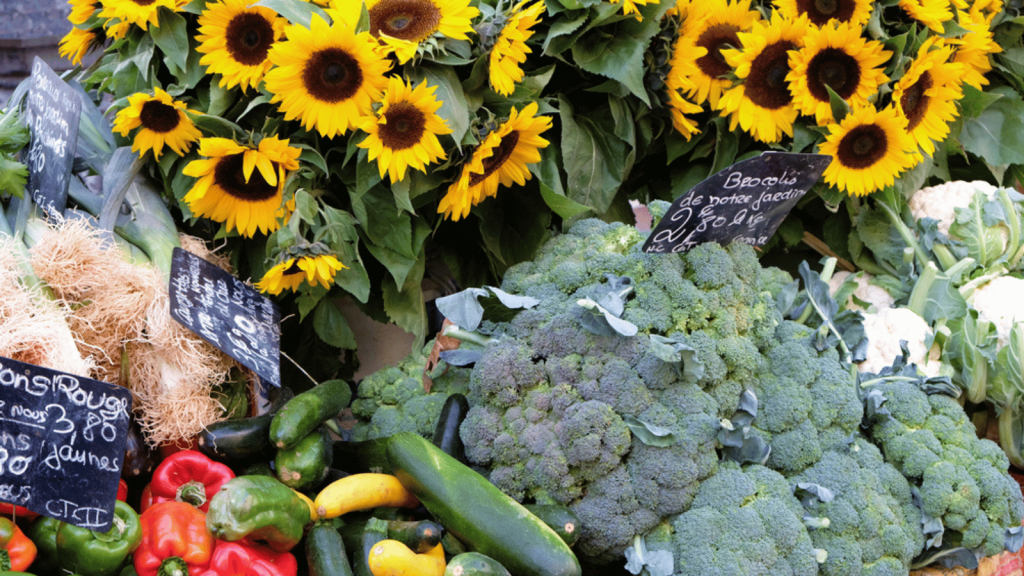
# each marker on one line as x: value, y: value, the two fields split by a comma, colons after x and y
x: 227, y: 313
x: 746, y: 202
x: 61, y: 443
x: 53, y: 112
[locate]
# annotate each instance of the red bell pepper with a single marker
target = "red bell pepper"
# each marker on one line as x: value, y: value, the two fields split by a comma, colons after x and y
x: 246, y: 558
x: 122, y: 490
x: 188, y: 476
x: 175, y: 541
x: 15, y: 512
x: 17, y: 551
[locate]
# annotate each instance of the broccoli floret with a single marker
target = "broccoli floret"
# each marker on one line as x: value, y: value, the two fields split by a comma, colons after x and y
x: 392, y: 400
x: 743, y: 522
x: 961, y: 480
x: 873, y: 526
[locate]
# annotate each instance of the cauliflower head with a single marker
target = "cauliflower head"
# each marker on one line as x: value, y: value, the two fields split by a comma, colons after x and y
x: 941, y: 201
x: 885, y: 329
x: 999, y: 302
x: 876, y: 296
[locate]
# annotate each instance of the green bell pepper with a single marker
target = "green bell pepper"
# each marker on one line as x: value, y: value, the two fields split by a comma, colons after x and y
x: 43, y: 531
x: 92, y: 553
x: 259, y: 508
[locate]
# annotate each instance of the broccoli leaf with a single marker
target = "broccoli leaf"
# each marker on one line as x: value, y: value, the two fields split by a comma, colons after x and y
x: 512, y: 301
x: 602, y: 322
x: 463, y: 308
x: 810, y: 494
x: 787, y: 297
x: 658, y: 563
x: 931, y: 527
x: 674, y: 351
x: 754, y: 450
x: 650, y: 434
x: 460, y: 357
x: 948, y: 558
x: 977, y: 227
x: 1014, y: 539
x: 612, y: 296
x: 874, y: 408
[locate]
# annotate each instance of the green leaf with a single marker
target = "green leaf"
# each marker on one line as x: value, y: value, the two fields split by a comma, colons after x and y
x: 649, y: 434
x: 142, y: 54
x: 578, y: 4
x: 997, y: 134
x: 13, y: 134
x: 567, y: 23
x: 404, y: 306
x: 220, y: 99
x: 217, y: 126
x: 261, y: 99
x: 13, y: 176
x: 594, y: 159
x: 513, y: 226
x: 312, y: 156
x: 400, y: 190
x: 295, y: 11
x: 343, y: 238
x: 614, y: 56
x: 983, y: 240
x: 839, y: 106
x: 880, y: 237
x: 331, y: 326
x: 455, y: 109
x: 171, y: 35
x: 726, y: 146
x: 306, y: 206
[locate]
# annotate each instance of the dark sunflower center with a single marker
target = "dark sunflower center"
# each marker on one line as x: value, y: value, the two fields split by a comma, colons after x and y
x: 249, y: 36
x: 500, y: 156
x: 863, y: 146
x: 914, y: 100
x: 833, y: 68
x: 404, y: 127
x: 293, y: 269
x: 143, y: 2
x: 411, y: 20
x: 820, y: 12
x: 159, y: 117
x: 715, y: 38
x: 766, y: 84
x: 229, y: 176
x: 332, y: 75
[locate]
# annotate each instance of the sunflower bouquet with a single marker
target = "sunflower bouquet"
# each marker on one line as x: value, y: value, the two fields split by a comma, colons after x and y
x: 345, y: 148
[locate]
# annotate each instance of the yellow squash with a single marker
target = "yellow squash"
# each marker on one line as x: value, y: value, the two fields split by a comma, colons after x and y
x: 362, y: 492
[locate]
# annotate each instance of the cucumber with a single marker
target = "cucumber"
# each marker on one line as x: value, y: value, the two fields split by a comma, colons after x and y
x: 446, y: 433
x: 375, y: 531
x: 325, y: 552
x: 243, y: 439
x: 302, y: 414
x: 420, y: 536
x: 559, y: 518
x: 259, y: 469
x: 477, y: 512
x: 363, y: 456
x: 474, y: 564
x: 307, y: 463
x: 452, y: 546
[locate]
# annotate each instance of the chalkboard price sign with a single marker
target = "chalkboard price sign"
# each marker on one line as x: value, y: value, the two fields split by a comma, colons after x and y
x: 61, y: 443
x: 746, y: 202
x: 227, y: 313
x: 53, y: 112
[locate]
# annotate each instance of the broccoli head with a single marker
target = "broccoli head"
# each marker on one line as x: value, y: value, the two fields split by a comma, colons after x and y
x: 871, y: 526
x: 392, y: 399
x: 961, y: 479
x: 744, y: 521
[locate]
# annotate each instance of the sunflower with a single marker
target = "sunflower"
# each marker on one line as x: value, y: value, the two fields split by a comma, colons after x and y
x: 162, y: 121
x: 326, y: 75
x: 139, y: 12
x: 931, y: 13
x: 869, y: 149
x: 313, y: 269
x: 82, y: 10
x: 230, y: 191
x: 404, y: 131
x: 402, y: 24
x: 680, y: 9
x: 714, y: 29
x: 973, y: 49
x: 510, y: 49
x: 821, y: 12
x: 116, y: 30
x: 500, y: 159
x: 76, y: 44
x: 926, y: 95
x: 762, y: 104
x: 683, y: 68
x: 235, y: 38
x: 985, y: 10
x: 835, y: 56
x: 629, y: 7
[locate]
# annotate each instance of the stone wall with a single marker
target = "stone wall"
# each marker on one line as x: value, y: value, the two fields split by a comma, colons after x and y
x: 31, y: 28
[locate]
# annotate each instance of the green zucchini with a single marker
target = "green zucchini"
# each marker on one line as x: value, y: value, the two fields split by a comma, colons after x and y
x: 474, y: 564
x: 259, y: 469
x: 559, y: 518
x: 306, y: 464
x: 245, y: 438
x: 446, y: 433
x: 302, y: 414
x: 375, y: 531
x: 420, y: 536
x: 452, y: 545
x: 325, y: 552
x: 477, y: 512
